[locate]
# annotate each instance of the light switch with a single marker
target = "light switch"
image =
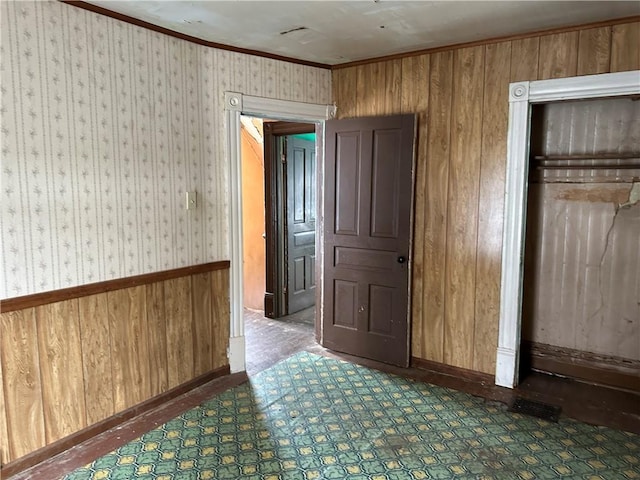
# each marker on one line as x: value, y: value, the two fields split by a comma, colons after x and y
x: 191, y: 200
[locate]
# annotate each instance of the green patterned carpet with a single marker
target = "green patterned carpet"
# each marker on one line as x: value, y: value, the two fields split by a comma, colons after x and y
x: 311, y: 417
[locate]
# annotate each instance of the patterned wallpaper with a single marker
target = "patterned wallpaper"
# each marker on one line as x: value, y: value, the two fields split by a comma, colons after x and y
x: 105, y: 125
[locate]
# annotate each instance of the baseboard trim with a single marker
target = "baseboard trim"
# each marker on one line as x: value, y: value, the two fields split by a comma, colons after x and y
x: 590, y: 367
x: 458, y: 372
x: 237, y: 354
x: 16, y: 466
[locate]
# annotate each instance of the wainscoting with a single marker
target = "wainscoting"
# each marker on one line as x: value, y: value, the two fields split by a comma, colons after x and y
x: 460, y: 96
x: 74, y: 359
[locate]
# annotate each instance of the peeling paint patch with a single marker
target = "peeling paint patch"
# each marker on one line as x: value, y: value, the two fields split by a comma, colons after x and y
x: 584, y: 276
x: 617, y: 194
x: 634, y: 196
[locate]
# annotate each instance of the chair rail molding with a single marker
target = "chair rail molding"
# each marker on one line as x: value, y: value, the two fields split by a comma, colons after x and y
x: 522, y: 95
x: 237, y: 104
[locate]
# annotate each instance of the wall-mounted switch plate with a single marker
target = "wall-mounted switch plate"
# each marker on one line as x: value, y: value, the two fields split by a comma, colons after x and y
x: 191, y: 200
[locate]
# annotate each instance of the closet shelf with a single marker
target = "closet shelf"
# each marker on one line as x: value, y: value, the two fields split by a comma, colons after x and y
x: 593, y: 156
x: 601, y: 161
x: 599, y: 166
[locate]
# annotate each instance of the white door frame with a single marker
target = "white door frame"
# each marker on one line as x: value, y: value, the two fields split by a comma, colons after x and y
x: 235, y: 105
x: 521, y: 96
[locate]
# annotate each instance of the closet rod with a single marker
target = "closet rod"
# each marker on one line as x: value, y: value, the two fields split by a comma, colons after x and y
x: 589, y: 167
x: 591, y: 156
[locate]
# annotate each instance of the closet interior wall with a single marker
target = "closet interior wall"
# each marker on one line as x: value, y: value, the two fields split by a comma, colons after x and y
x: 582, y: 260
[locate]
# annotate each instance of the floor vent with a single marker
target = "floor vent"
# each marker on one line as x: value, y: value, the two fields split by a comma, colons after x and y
x: 536, y: 409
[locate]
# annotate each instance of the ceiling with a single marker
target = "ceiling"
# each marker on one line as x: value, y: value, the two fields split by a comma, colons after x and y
x: 334, y: 32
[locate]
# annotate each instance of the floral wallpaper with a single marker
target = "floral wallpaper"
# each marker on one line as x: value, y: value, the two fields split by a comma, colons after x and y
x: 104, y: 126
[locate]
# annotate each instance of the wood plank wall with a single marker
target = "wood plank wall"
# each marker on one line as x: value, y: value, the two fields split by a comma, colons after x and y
x: 461, y: 99
x: 70, y: 364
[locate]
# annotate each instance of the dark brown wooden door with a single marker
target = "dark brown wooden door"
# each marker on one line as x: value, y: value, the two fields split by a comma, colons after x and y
x: 301, y: 222
x: 367, y: 207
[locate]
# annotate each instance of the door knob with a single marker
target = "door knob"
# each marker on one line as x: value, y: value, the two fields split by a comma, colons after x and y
x: 401, y: 259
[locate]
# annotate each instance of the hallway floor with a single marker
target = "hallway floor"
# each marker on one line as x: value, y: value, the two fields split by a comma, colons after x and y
x: 270, y: 340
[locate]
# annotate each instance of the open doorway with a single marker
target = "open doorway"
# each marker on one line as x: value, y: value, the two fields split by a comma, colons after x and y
x: 582, y: 270
x: 279, y: 215
x: 253, y: 209
x: 290, y: 217
x: 235, y: 105
x: 278, y: 172
x: 522, y: 96
x: 382, y: 148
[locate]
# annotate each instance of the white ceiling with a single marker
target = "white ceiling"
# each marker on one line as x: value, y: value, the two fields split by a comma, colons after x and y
x: 333, y: 32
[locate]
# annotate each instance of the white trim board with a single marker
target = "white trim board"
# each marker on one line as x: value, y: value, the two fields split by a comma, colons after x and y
x: 235, y: 105
x: 521, y: 96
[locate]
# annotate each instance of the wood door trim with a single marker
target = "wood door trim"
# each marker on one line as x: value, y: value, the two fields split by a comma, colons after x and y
x: 16, y: 466
x: 290, y: 128
x: 271, y: 130
x: 489, y: 41
x: 38, y: 299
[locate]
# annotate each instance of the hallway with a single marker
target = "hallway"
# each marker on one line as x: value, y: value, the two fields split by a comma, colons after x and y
x: 270, y: 340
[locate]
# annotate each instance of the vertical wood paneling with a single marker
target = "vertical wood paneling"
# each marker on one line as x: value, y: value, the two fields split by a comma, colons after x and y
x: 625, y: 53
x: 435, y: 208
x: 377, y: 75
x: 475, y: 141
x: 414, y: 95
x: 71, y: 364
x: 370, y: 86
x: 129, y: 350
x: 202, y: 291
x: 415, y: 99
x: 337, y: 85
x: 96, y: 357
x: 22, y: 382
x: 495, y: 118
x: 346, y: 89
x: 179, y: 330
x: 364, y: 104
x: 524, y: 59
x: 558, y: 55
x: 462, y: 211
x: 4, y: 436
x: 594, y: 50
x: 61, y: 369
x: 157, y: 338
x: 393, y: 87
x: 220, y: 317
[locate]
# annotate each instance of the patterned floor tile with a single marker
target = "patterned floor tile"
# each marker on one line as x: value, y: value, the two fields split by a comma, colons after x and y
x: 311, y: 417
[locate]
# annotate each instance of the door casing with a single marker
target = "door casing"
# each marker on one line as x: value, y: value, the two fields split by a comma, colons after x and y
x: 521, y: 96
x: 235, y: 105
